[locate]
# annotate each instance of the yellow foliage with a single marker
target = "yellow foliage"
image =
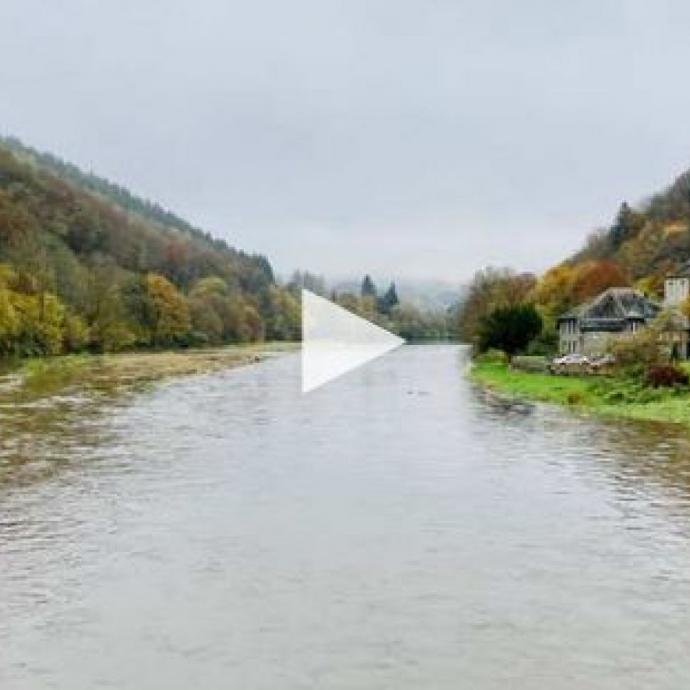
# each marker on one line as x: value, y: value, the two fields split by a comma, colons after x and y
x: 674, y: 229
x: 554, y: 291
x: 9, y: 320
x: 75, y: 333
x: 172, y: 321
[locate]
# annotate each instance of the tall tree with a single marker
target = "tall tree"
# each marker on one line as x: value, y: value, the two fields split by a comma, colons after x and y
x: 510, y: 329
x: 389, y: 300
x: 368, y: 288
x: 172, y: 322
x: 628, y: 222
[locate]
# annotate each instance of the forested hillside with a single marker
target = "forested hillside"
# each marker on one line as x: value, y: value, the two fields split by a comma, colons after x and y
x: 85, y: 264
x: 648, y: 241
x: 642, y: 245
x: 640, y: 248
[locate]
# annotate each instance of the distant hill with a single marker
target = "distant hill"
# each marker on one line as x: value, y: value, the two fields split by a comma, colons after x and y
x: 415, y: 310
x: 118, y: 270
x: 426, y: 295
x: 431, y: 295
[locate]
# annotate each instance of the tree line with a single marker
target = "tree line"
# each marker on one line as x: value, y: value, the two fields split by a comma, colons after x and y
x: 386, y: 310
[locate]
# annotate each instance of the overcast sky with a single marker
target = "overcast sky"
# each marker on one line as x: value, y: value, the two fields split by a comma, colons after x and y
x: 408, y: 138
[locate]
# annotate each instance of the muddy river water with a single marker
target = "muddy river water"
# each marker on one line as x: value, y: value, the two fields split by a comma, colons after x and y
x: 397, y: 529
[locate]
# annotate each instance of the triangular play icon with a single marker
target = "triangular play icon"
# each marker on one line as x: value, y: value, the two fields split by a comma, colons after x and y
x: 335, y: 341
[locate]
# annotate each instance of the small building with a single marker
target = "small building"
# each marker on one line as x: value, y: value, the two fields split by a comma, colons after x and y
x: 615, y: 313
x: 677, y: 287
x: 676, y: 331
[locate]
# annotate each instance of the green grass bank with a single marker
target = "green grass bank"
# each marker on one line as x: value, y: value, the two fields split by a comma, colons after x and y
x: 605, y: 396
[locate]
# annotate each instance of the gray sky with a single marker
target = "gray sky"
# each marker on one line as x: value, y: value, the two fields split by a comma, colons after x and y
x: 410, y: 138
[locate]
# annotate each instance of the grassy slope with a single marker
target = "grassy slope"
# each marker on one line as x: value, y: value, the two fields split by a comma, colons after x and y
x: 604, y: 396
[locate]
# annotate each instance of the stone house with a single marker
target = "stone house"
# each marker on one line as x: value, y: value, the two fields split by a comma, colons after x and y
x: 614, y: 313
x: 620, y: 312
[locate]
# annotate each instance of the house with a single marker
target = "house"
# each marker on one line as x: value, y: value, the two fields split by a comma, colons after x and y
x: 615, y: 313
x: 620, y: 312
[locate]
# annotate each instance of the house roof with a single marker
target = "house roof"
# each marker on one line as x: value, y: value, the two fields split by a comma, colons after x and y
x: 612, y: 309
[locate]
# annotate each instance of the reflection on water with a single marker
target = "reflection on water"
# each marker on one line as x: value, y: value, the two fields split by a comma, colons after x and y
x: 398, y: 528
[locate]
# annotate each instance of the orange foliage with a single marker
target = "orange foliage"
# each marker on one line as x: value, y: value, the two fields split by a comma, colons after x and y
x: 593, y: 277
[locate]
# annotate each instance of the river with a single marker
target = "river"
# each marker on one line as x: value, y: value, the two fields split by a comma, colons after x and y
x: 397, y: 528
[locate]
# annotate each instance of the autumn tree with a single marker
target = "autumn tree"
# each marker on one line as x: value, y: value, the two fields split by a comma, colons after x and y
x: 10, y: 319
x: 208, y: 307
x: 554, y: 293
x: 593, y: 277
x: 75, y: 333
x: 283, y: 315
x: 111, y: 327
x: 171, y: 319
x: 490, y: 289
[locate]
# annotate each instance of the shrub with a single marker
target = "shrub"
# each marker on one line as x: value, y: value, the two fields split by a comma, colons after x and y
x: 545, y: 344
x: 665, y: 376
x: 531, y: 363
x: 492, y: 356
x: 626, y: 391
x: 642, y: 350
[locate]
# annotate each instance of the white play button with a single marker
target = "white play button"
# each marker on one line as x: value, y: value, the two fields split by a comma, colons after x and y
x: 335, y: 341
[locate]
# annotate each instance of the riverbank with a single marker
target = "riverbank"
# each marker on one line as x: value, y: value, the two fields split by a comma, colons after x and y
x: 48, y: 375
x: 55, y: 409
x: 603, y: 396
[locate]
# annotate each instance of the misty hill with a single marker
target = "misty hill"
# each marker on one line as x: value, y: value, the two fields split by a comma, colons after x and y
x: 431, y: 295
x: 397, y: 310
x: 427, y: 295
x: 85, y: 263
